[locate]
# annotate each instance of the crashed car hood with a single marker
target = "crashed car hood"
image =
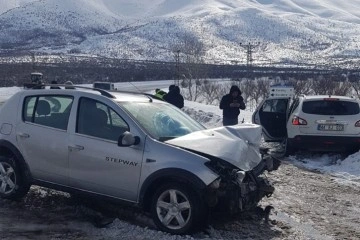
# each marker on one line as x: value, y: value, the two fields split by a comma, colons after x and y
x: 238, y: 145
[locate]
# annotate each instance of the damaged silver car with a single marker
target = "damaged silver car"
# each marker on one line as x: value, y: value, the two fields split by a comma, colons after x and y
x: 130, y: 148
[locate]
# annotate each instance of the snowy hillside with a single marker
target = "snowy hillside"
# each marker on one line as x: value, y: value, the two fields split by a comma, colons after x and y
x: 304, y: 31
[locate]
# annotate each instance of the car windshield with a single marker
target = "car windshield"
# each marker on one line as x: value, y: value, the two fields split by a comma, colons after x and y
x: 322, y: 107
x: 162, y: 121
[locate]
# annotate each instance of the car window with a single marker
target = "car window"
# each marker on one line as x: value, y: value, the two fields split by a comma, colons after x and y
x: 334, y: 107
x: 275, y: 105
x: 48, y: 110
x: 99, y: 120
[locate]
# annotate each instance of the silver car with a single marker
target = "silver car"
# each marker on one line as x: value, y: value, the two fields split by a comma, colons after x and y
x: 131, y: 148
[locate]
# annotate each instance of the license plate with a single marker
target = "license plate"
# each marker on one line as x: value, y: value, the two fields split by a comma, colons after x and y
x: 331, y: 127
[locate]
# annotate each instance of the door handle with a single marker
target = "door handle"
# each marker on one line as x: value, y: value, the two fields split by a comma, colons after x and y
x: 75, y: 148
x: 23, y: 135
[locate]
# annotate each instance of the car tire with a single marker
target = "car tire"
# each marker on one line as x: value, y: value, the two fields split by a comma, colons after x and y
x: 13, y: 185
x: 289, y: 149
x: 177, y: 209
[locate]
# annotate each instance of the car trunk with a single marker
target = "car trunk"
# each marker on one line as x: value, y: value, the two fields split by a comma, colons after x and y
x: 330, y: 117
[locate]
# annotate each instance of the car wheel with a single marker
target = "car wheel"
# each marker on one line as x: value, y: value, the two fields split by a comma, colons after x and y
x: 288, y: 148
x: 176, y: 209
x: 12, y: 184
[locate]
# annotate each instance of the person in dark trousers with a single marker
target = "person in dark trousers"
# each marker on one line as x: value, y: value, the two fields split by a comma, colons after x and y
x: 174, y: 97
x: 231, y: 104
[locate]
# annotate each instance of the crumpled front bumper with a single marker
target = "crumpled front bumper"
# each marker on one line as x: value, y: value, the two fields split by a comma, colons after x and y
x: 268, y: 163
x: 245, y: 190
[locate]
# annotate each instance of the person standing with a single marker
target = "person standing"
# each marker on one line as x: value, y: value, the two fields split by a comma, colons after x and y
x: 231, y: 104
x: 174, y: 97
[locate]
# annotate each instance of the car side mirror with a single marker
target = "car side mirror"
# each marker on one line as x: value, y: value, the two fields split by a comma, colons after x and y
x: 127, y: 139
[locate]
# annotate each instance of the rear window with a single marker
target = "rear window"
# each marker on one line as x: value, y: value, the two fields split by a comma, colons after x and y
x: 323, y: 107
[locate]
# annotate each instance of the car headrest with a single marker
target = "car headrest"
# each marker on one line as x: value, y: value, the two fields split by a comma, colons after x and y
x: 43, y: 107
x: 100, y: 117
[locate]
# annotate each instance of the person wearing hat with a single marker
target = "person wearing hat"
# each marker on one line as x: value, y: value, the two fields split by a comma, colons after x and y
x: 174, y: 97
x: 231, y: 104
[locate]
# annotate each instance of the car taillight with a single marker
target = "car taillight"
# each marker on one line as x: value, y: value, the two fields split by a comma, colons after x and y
x: 357, y: 124
x: 298, y: 121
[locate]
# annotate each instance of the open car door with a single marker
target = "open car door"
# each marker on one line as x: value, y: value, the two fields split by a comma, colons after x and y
x: 271, y: 114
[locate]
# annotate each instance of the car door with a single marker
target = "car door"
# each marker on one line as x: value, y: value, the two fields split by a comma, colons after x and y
x: 271, y: 114
x: 97, y: 164
x: 43, y: 138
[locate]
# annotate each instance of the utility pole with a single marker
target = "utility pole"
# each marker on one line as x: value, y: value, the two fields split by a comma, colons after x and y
x: 33, y: 60
x: 249, y: 50
x: 249, y: 59
x: 177, y: 62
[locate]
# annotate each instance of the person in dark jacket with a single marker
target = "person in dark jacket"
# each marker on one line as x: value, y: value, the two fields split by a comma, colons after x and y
x: 54, y: 87
x: 171, y: 87
x: 174, y: 97
x: 231, y: 104
x: 160, y: 93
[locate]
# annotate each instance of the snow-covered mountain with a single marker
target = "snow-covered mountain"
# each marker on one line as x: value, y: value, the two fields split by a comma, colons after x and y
x: 288, y: 31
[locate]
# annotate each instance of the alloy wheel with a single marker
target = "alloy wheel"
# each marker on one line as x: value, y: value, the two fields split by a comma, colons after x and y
x: 7, y: 178
x: 173, y: 209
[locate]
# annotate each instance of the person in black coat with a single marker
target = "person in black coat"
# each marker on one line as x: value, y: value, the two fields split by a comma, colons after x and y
x: 231, y: 104
x: 174, y: 97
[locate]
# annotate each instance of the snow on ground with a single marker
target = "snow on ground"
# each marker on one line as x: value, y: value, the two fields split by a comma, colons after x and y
x: 345, y: 169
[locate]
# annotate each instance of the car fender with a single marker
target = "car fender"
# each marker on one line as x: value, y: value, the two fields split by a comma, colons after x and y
x: 25, y: 170
x: 166, y: 175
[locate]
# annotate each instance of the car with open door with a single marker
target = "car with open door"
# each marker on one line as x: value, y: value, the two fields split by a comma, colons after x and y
x: 316, y: 123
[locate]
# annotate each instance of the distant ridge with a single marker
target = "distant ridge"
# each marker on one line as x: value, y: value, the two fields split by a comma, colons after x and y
x: 287, y: 31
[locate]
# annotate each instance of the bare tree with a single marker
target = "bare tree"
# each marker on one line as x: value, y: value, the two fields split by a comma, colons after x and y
x: 354, y: 81
x: 246, y: 87
x: 210, y: 91
x: 192, y: 66
x: 263, y: 88
x: 323, y: 86
x: 342, y: 89
x: 301, y: 86
x: 255, y: 94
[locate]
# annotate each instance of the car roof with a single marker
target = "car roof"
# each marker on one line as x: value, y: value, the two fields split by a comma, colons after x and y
x: 321, y: 97
x: 118, y: 96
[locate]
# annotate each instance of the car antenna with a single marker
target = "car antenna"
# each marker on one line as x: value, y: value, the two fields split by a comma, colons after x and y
x: 150, y: 99
x: 135, y: 87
